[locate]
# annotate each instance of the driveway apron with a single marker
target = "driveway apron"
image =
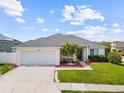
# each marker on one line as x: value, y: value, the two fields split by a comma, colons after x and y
x: 29, y: 79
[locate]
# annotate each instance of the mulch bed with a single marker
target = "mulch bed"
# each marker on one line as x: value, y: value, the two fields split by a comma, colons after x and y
x: 64, y: 64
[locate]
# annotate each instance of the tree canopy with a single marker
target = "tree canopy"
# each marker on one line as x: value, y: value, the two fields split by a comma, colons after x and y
x: 69, y: 49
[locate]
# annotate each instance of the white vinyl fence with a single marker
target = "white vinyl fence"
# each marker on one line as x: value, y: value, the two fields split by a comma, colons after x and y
x: 7, y: 57
x: 123, y: 58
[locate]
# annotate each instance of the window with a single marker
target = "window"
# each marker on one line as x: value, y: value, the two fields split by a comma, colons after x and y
x: 97, y: 51
x: 91, y: 51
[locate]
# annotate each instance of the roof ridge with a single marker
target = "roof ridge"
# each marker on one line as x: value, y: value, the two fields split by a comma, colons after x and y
x: 56, y: 40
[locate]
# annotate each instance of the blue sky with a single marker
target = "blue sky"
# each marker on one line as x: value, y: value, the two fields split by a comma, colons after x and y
x: 96, y: 20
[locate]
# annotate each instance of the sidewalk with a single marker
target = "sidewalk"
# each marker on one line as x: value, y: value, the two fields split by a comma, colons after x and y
x: 89, y: 87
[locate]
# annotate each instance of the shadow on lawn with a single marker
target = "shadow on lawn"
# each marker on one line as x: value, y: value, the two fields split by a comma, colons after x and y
x: 119, y: 64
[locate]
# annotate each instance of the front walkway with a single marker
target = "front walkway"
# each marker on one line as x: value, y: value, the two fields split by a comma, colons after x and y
x: 29, y: 80
x: 90, y: 87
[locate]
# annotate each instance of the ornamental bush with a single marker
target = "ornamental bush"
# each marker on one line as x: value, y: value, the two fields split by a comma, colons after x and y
x: 114, y: 57
x: 96, y: 58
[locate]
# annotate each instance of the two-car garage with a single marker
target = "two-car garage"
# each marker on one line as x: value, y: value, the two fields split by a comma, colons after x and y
x: 38, y: 56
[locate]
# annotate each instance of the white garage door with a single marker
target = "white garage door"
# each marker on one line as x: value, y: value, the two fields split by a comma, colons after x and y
x: 38, y: 58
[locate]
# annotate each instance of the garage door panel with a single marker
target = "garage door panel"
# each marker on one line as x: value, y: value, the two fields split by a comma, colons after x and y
x: 38, y: 58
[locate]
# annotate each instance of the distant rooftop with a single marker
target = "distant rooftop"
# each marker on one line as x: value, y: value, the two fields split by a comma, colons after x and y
x: 118, y: 44
x: 4, y: 37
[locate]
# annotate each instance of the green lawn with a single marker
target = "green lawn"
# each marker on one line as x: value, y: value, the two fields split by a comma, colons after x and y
x: 103, y: 73
x: 87, y: 92
x: 5, y: 68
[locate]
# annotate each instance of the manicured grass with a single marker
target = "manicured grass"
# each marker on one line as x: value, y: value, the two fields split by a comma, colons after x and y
x: 103, y: 73
x: 5, y: 68
x: 64, y: 91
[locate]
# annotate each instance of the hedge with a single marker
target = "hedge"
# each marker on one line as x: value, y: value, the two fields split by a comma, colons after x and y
x: 97, y: 58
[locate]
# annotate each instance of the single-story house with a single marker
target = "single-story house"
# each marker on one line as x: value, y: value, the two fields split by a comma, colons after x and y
x: 6, y: 43
x: 118, y: 45
x: 48, y: 50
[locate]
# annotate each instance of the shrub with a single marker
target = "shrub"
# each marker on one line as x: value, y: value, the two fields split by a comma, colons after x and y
x: 114, y: 57
x: 97, y: 58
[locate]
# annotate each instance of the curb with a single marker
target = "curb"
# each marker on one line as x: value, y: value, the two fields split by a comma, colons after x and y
x: 56, y: 77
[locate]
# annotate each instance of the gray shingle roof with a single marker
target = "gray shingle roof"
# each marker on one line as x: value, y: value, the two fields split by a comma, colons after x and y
x: 118, y: 44
x: 3, y: 37
x: 57, y: 40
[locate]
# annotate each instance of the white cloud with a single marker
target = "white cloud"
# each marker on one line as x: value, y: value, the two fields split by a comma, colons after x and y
x: 40, y: 20
x: 51, y: 12
x: 57, y: 30
x: 117, y: 28
x: 50, y: 30
x: 67, y: 12
x: 28, y: 28
x: 116, y: 25
x: 12, y: 7
x: 75, y: 23
x: 20, y: 20
x: 90, y: 32
x: 79, y: 14
x: 45, y: 30
x: 81, y: 7
x: 100, y: 33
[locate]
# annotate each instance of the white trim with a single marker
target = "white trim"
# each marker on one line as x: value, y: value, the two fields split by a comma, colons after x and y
x: 87, y: 52
x: 35, y: 47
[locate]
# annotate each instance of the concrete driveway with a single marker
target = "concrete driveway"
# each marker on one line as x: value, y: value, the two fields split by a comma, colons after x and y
x: 29, y: 80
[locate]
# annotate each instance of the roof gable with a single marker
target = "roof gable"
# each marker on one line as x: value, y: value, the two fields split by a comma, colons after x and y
x: 57, y: 40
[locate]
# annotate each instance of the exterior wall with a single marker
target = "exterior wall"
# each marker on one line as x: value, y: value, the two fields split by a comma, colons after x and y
x: 98, y: 51
x: 122, y: 58
x: 120, y: 48
x: 16, y: 57
x: 85, y: 53
x: 28, y: 49
x: 57, y: 56
x: 101, y: 51
x: 7, y: 57
x: 118, y: 45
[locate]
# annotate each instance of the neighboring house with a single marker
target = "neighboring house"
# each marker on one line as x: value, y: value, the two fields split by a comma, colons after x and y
x: 6, y: 43
x: 118, y: 45
x: 48, y: 51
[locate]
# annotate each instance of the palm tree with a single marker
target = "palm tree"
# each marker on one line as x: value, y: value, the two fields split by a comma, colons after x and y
x: 70, y: 49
